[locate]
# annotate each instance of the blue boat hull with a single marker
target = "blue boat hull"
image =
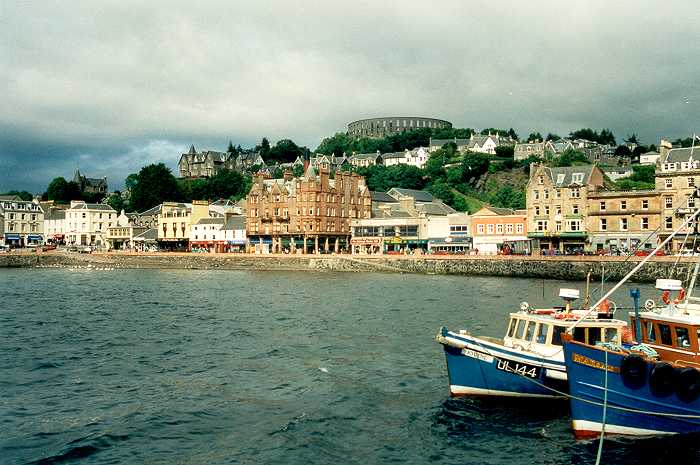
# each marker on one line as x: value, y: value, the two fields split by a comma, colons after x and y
x: 629, y: 411
x: 479, y: 368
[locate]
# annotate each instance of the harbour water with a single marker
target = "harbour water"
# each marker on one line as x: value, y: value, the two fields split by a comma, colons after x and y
x: 191, y: 367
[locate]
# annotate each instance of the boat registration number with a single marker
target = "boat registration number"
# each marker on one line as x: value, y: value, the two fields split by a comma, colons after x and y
x: 522, y: 369
x: 477, y: 355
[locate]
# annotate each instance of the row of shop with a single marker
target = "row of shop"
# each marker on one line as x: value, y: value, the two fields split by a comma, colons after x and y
x: 22, y: 240
x: 398, y: 245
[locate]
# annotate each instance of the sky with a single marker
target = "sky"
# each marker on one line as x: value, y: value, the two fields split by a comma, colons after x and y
x: 111, y: 86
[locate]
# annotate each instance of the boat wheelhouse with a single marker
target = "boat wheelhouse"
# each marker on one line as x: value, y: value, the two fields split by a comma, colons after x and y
x: 528, y: 361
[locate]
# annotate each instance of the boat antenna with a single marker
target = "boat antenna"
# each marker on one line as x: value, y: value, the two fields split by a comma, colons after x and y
x: 639, y: 265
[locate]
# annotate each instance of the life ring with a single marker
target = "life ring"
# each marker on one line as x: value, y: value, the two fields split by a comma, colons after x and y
x: 688, y: 384
x: 662, y: 380
x: 564, y: 316
x: 666, y: 297
x: 604, y: 306
x: 633, y: 370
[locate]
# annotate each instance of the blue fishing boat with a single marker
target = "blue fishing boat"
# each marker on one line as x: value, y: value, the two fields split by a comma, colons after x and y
x: 646, y: 389
x: 528, y: 361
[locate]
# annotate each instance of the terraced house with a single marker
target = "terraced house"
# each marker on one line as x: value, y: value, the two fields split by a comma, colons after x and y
x: 677, y: 176
x: 21, y: 222
x: 557, y: 205
x: 307, y: 214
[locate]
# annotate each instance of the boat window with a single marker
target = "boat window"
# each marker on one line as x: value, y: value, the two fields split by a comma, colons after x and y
x: 513, y: 325
x: 580, y: 334
x: 521, y: 328
x: 651, y: 335
x: 610, y: 335
x: 665, y: 335
x: 556, y: 335
x: 530, y: 330
x: 593, y: 335
x: 682, y: 337
x: 542, y: 331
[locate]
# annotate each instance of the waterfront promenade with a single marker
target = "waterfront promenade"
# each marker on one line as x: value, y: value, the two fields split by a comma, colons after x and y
x: 548, y: 267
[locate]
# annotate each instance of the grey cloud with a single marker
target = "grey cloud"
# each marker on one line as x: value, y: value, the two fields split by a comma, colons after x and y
x: 111, y: 75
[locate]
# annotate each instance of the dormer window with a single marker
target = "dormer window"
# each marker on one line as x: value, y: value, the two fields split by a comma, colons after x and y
x: 577, y: 178
x: 560, y: 178
x: 540, y: 180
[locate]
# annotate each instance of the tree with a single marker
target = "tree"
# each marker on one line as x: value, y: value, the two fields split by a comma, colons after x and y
x: 507, y: 197
x: 285, y: 151
x: 554, y: 137
x: 337, y: 144
x: 643, y: 173
x: 622, y: 151
x: 24, y: 195
x: 535, y: 137
x: 131, y: 180
x: 632, y: 139
x: 435, y: 165
x: 57, y: 190
x: 570, y: 157
x: 228, y: 184
x: 116, y: 201
x: 298, y: 171
x: 505, y: 151
x: 155, y: 184
x: 263, y: 148
x: 605, y: 137
x: 687, y: 142
x: 474, y: 165
x: 513, y: 135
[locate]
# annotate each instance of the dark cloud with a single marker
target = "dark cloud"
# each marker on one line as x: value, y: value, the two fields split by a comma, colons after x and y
x: 109, y: 85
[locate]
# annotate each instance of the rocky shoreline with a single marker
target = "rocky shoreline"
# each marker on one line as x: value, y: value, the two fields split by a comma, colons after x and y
x: 564, y: 268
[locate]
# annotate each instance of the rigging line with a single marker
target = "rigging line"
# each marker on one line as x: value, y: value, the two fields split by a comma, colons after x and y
x: 605, y: 411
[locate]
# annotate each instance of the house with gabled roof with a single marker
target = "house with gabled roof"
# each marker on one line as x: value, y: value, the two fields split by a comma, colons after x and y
x: 366, y: 159
x: 491, y: 227
x: 557, y: 205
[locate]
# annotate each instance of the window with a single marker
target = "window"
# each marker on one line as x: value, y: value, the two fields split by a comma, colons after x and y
x: 623, y: 224
x: 682, y: 338
x: 521, y: 328
x: 557, y: 225
x: 556, y: 335
x: 511, y: 328
x: 519, y: 228
x: 557, y: 210
x: 665, y: 335
x: 530, y: 330
x: 593, y: 335
x: 537, y: 211
x: 644, y: 224
x: 536, y: 194
x: 540, y: 180
x: 489, y: 228
x: 669, y: 222
x: 577, y: 178
x: 542, y: 330
x: 623, y: 204
x: 574, y: 209
x: 575, y: 193
x: 557, y: 194
x: 645, y: 204
x: 499, y: 229
x: 542, y: 225
x: 480, y: 228
x: 603, y: 224
x: 509, y: 228
x: 602, y: 206
x: 691, y: 182
x: 668, y: 202
x: 560, y: 178
x: 669, y: 183
x: 546, y: 193
x: 546, y: 210
x: 574, y: 225
x: 610, y: 335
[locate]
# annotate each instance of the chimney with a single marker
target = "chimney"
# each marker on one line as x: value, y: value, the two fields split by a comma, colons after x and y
x: 288, y: 175
x: 408, y: 203
x: 664, y: 147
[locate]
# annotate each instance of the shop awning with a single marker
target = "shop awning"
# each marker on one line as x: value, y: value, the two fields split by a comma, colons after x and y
x: 11, y: 237
x: 236, y: 241
x: 35, y: 237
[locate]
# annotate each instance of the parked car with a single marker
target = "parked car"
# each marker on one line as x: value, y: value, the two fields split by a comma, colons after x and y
x: 4, y: 249
x: 645, y: 252
x: 48, y: 247
x: 86, y: 249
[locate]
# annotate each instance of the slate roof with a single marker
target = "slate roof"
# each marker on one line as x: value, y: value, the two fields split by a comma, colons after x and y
x: 568, y: 172
x: 682, y: 154
x: 152, y: 211
x: 93, y: 206
x: 55, y: 214
x: 441, y: 142
x: 218, y: 220
x: 419, y: 196
x: 366, y: 156
x: 235, y: 222
x: 149, y: 235
x: 10, y: 197
x: 382, y: 197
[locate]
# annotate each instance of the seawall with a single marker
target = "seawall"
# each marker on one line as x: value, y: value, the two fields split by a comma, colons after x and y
x: 564, y: 268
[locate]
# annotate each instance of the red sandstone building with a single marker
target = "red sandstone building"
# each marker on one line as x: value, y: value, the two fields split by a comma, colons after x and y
x: 310, y: 214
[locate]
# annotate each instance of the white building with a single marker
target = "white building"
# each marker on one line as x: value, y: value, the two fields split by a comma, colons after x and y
x: 21, y: 222
x: 54, y: 225
x: 416, y: 157
x: 87, y: 223
x: 234, y: 230
x: 649, y: 158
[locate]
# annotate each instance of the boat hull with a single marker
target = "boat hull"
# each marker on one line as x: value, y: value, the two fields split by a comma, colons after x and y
x: 477, y: 367
x: 630, y: 411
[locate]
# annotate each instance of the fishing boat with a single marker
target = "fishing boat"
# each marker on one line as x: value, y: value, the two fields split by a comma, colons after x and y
x: 528, y: 361
x: 653, y: 386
